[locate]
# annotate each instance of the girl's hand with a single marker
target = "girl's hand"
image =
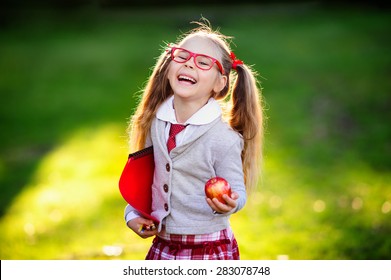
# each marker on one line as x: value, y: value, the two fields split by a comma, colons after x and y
x: 222, y: 208
x: 143, y: 227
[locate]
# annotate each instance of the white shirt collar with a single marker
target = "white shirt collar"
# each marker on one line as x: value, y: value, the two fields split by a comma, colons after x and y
x: 207, y: 114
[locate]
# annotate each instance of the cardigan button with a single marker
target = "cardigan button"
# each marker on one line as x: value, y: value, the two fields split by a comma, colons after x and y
x: 165, y: 187
x: 166, y: 206
x: 168, y: 167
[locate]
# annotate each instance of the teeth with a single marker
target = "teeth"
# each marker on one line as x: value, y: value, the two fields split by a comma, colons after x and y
x: 181, y: 77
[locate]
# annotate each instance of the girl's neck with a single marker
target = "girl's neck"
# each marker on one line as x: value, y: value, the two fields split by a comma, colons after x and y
x: 184, y: 109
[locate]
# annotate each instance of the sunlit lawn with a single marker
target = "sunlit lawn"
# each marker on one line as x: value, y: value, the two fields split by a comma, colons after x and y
x: 67, y: 92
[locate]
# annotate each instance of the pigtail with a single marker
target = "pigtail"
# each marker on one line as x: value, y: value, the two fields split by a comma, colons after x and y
x: 155, y: 93
x: 246, y: 117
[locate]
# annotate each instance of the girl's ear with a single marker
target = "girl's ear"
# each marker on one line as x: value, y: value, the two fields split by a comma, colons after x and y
x: 221, y: 82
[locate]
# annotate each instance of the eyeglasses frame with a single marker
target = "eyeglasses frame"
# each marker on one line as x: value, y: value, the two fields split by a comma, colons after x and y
x: 194, y: 56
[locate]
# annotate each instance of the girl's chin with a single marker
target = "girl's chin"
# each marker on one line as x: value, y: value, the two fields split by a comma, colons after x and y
x: 182, y: 94
x: 184, y: 91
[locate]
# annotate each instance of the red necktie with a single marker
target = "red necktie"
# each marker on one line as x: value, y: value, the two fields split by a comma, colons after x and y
x: 174, y: 130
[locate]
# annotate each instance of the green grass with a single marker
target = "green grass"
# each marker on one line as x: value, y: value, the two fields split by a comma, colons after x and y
x: 69, y: 84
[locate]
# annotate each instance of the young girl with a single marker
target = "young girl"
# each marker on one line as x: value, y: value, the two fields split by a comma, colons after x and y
x: 201, y: 125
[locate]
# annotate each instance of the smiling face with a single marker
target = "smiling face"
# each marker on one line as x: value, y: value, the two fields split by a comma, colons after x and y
x: 191, y: 83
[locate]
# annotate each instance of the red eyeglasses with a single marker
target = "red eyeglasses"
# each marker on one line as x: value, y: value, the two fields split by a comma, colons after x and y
x: 202, y: 61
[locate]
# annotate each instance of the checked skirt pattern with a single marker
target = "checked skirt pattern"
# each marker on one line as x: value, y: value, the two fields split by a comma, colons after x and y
x: 221, y: 245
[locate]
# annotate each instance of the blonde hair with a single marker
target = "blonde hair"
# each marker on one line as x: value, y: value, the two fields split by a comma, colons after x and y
x: 240, y: 101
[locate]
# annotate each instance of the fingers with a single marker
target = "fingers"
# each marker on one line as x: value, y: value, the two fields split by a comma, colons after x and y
x: 231, y: 201
x: 148, y: 232
x: 211, y: 204
x: 219, y: 207
x: 234, y: 195
x: 143, y: 227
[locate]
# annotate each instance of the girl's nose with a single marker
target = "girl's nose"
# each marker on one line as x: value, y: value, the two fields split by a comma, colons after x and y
x: 190, y: 63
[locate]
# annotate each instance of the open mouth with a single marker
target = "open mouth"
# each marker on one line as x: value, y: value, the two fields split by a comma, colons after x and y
x: 187, y: 79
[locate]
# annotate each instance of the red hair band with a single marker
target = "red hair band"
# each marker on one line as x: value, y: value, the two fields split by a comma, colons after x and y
x: 235, y: 61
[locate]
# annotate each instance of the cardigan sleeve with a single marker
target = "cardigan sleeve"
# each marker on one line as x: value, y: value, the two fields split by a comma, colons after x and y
x: 229, y: 166
x: 130, y: 213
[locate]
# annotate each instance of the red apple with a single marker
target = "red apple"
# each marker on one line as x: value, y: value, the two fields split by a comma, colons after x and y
x: 216, y: 188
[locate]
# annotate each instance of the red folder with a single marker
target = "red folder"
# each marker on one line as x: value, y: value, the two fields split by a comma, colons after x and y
x: 135, y: 183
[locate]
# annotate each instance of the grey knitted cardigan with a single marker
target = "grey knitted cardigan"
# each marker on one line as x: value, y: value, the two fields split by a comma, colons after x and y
x: 178, y: 197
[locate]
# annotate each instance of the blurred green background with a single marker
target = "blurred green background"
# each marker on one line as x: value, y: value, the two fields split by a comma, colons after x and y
x: 70, y: 79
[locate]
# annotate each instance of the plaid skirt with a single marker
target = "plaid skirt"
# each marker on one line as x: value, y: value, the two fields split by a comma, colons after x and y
x: 221, y: 245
